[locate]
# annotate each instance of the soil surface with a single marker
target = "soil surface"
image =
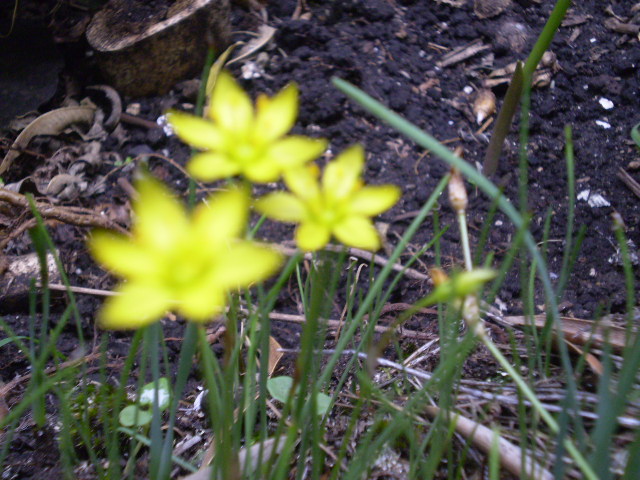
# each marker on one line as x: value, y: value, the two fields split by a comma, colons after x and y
x: 396, y: 51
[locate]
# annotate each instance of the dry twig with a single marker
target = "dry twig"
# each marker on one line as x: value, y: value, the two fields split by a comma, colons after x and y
x: 72, y: 215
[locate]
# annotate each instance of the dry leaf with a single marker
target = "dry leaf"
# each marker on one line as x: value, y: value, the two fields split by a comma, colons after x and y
x: 50, y: 123
x: 591, y: 359
x: 274, y: 355
x: 490, y: 8
x: 265, y: 34
x: 541, y: 77
x: 462, y: 53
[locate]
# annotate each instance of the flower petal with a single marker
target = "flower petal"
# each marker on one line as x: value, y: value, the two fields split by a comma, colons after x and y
x: 262, y: 170
x: 230, y: 106
x: 160, y: 220
x: 122, y: 255
x: 296, y: 150
x: 137, y: 305
x: 372, y: 200
x: 303, y: 181
x: 312, y: 236
x: 275, y: 116
x: 281, y: 206
x: 223, y: 219
x: 246, y: 263
x: 342, y: 174
x: 212, y: 166
x: 357, y: 232
x: 196, y: 131
x: 202, y: 302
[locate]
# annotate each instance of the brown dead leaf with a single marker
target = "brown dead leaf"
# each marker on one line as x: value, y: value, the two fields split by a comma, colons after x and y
x: 274, y: 355
x: 489, y: 8
x: 541, y: 77
x: 264, y: 35
x: 462, y: 53
x: 50, y: 123
x: 592, y: 361
x: 620, y: 27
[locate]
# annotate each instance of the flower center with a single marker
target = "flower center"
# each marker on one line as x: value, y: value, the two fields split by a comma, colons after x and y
x: 326, y: 210
x: 188, y: 268
x: 245, y: 152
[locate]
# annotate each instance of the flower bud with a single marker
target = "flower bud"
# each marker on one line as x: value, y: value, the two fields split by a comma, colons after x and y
x: 457, y: 192
x: 484, y: 105
x: 438, y: 276
x: 618, y: 222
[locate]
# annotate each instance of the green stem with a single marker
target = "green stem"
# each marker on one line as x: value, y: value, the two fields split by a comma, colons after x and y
x: 464, y: 237
x: 545, y: 39
x: 537, y: 405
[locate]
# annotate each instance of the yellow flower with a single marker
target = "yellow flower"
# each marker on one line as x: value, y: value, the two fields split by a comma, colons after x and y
x: 175, y: 261
x: 238, y: 140
x: 339, y: 205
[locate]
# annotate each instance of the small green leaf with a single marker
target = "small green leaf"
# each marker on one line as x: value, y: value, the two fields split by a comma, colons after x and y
x: 279, y: 388
x: 635, y: 134
x: 133, y: 416
x: 164, y: 394
x: 323, y: 402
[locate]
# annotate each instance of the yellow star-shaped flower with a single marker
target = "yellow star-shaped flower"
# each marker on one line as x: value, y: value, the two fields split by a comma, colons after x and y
x: 175, y: 261
x: 238, y: 140
x: 339, y: 205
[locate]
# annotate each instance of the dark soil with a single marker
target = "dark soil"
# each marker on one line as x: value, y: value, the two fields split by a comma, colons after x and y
x: 391, y: 50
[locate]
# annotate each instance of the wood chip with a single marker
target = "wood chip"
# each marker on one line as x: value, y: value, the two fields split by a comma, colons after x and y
x: 490, y: 8
x: 512, y: 457
x: 619, y: 27
x: 629, y: 181
x: 461, y: 54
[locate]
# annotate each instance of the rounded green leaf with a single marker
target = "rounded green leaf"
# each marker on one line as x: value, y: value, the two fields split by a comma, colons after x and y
x: 323, y: 402
x: 279, y: 388
x: 147, y: 394
x: 132, y: 416
x: 635, y: 134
